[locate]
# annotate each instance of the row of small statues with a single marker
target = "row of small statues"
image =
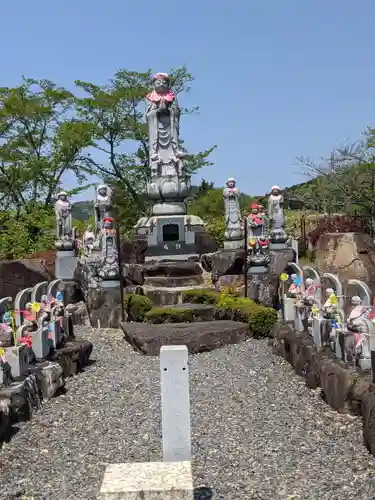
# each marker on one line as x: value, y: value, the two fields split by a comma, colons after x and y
x: 63, y: 212
x: 309, y: 307
x: 257, y: 218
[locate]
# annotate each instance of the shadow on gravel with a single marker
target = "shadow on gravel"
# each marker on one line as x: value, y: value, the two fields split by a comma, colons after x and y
x: 90, y: 363
x: 203, y: 493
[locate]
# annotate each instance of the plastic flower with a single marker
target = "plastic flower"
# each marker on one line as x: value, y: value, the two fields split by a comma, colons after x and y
x: 284, y: 277
x: 333, y: 300
x: 27, y: 340
x: 35, y: 307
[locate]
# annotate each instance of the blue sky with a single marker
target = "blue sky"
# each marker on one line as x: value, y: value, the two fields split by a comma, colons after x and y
x: 274, y: 79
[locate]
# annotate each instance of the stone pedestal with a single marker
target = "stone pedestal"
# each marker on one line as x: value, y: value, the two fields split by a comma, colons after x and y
x: 263, y: 289
x: 65, y: 264
x: 234, y: 245
x: 148, y: 481
x: 278, y: 246
x: 172, y: 237
x: 104, y: 305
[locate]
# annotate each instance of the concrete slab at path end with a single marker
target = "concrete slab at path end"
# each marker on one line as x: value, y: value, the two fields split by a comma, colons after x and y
x: 148, y: 481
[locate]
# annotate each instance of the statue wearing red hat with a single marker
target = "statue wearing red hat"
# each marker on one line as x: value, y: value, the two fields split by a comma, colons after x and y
x: 256, y: 222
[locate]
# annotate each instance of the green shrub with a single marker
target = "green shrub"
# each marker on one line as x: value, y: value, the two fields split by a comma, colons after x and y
x: 159, y: 315
x: 261, y: 321
x: 137, y: 306
x: 200, y: 296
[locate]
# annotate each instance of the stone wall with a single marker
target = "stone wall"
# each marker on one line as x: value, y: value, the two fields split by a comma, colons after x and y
x: 343, y: 388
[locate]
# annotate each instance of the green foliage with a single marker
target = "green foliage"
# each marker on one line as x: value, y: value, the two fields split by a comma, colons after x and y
x: 261, y: 319
x: 159, y: 315
x: 25, y: 233
x: 200, y: 296
x: 137, y: 306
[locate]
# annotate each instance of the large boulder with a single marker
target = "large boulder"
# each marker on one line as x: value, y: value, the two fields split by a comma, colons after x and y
x: 15, y: 275
x: 348, y: 255
x: 198, y: 337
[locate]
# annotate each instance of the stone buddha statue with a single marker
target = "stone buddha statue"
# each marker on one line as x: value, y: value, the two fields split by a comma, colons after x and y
x: 163, y: 119
x: 63, y: 217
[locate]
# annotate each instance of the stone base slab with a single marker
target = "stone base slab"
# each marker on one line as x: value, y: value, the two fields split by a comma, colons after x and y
x: 148, y: 481
x: 201, y: 336
x: 344, y: 388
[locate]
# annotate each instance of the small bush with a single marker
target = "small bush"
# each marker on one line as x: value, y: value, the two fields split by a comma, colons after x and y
x: 137, y: 306
x: 158, y: 315
x: 200, y: 296
x: 261, y: 321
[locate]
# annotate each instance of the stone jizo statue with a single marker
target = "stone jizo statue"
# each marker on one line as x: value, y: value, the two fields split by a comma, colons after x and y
x: 163, y: 119
x: 276, y: 210
x: 103, y: 205
x: 63, y: 217
x: 233, y: 219
x: 88, y: 240
x: 256, y: 221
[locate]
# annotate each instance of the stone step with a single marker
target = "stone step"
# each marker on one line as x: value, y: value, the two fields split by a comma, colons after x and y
x: 173, y: 281
x: 163, y: 296
x: 198, y: 337
x: 202, y: 312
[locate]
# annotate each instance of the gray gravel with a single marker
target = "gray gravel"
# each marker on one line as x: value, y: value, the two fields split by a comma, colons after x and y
x: 258, y: 432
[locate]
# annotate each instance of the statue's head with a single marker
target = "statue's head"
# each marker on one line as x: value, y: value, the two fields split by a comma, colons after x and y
x: 309, y: 281
x: 102, y: 190
x: 329, y: 292
x: 254, y: 208
x: 275, y: 190
x: 108, y: 223
x: 161, y: 82
x: 293, y: 277
x: 44, y: 299
x: 89, y: 228
x: 356, y: 301
x: 260, y: 208
x: 62, y: 195
x: 231, y: 182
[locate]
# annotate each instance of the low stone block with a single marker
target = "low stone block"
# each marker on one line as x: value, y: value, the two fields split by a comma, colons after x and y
x: 18, y: 360
x: 49, y: 377
x: 41, y: 342
x: 198, y: 337
x: 148, y: 481
x: 73, y: 357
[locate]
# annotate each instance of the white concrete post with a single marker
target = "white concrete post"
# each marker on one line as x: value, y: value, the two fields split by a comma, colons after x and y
x: 175, y: 403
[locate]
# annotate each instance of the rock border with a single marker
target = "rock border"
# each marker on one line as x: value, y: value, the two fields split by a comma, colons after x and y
x: 46, y: 379
x: 345, y: 389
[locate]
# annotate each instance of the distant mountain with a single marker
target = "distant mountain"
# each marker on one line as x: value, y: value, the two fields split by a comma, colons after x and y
x: 82, y: 210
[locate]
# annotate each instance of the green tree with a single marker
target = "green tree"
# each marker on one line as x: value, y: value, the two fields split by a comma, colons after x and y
x: 41, y: 141
x: 115, y: 112
x: 344, y: 182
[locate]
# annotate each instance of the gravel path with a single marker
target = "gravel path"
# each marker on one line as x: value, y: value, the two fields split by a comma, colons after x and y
x: 258, y: 432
